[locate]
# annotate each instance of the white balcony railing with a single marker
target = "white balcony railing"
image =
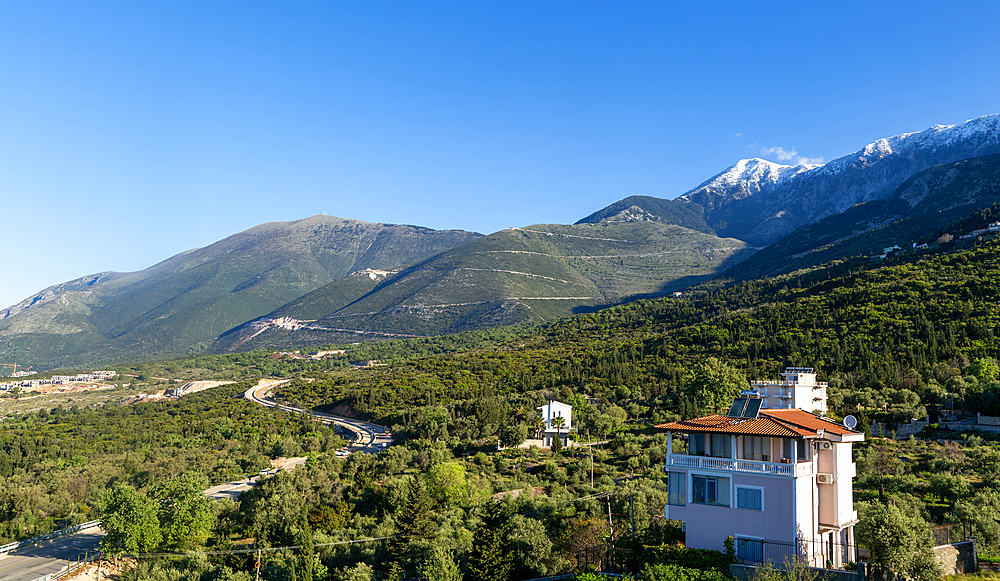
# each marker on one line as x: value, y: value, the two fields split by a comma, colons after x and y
x: 743, y: 466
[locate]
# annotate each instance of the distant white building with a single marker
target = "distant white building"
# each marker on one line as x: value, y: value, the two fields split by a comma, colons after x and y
x: 797, y: 389
x: 550, y: 411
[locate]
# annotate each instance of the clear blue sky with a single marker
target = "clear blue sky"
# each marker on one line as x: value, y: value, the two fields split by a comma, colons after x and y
x: 131, y: 131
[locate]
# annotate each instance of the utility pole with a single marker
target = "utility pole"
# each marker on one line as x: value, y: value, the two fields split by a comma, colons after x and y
x: 631, y: 503
x: 257, y: 566
x: 591, y: 446
x: 611, y: 535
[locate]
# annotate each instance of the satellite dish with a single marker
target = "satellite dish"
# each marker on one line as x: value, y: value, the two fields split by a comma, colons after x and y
x: 850, y: 422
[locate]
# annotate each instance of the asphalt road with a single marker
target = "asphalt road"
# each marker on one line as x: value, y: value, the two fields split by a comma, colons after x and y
x: 30, y: 563
x: 369, y: 437
x: 235, y: 488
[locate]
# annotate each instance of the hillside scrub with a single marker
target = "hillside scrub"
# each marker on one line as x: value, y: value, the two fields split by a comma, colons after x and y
x: 891, y: 341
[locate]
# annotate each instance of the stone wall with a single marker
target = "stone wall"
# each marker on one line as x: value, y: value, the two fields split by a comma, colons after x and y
x: 957, y: 558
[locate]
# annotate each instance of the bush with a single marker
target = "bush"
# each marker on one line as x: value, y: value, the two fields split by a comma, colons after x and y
x: 664, y: 572
x: 681, y: 556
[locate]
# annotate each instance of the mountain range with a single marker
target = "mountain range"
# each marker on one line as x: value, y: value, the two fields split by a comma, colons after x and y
x: 761, y: 202
x: 324, y: 279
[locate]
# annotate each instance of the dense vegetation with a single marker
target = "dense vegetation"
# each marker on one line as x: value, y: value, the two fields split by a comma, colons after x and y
x: 891, y: 340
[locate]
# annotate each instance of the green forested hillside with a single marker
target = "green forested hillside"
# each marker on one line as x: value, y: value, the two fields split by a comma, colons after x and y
x: 882, y: 329
x: 891, y: 340
x: 182, y: 304
x: 518, y: 275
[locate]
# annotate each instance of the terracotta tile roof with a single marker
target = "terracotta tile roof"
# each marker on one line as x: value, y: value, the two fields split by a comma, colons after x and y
x: 774, y: 423
x: 760, y: 426
x: 807, y: 420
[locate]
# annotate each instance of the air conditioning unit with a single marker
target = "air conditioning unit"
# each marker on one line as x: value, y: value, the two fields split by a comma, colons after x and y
x: 824, y: 478
x: 824, y: 445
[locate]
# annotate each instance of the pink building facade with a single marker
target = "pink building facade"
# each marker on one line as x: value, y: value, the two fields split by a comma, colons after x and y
x: 777, y: 480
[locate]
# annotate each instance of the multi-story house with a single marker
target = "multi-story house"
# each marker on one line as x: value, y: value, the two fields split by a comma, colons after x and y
x: 551, y: 411
x: 775, y: 479
x: 797, y: 389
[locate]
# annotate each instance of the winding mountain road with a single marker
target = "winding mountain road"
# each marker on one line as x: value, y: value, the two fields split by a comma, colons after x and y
x: 369, y: 437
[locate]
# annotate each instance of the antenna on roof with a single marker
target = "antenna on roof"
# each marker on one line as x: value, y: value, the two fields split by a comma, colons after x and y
x: 850, y: 422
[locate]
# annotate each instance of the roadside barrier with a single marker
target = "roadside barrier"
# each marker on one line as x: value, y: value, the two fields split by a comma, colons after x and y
x: 53, y: 535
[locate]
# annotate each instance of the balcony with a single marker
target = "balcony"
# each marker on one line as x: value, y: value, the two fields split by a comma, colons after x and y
x: 741, y: 466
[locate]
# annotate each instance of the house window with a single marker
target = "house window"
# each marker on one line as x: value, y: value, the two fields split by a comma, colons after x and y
x: 696, y: 445
x: 676, y: 488
x: 720, y: 446
x: 757, y: 448
x: 750, y: 498
x: 710, y: 490
x: 749, y: 548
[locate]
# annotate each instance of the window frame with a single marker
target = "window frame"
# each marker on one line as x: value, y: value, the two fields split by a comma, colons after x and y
x: 719, y: 490
x: 677, y: 488
x: 758, y: 489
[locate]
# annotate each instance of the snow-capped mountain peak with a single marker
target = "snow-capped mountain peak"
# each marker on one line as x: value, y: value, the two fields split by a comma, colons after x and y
x: 760, y: 201
x: 748, y: 177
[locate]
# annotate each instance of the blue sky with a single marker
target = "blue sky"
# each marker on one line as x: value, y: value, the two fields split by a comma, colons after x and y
x: 131, y: 131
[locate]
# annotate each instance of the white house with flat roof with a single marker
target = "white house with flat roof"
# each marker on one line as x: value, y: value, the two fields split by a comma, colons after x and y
x: 777, y: 480
x: 550, y: 411
x: 797, y: 389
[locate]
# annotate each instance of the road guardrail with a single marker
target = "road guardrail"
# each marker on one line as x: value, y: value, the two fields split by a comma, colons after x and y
x: 53, y: 535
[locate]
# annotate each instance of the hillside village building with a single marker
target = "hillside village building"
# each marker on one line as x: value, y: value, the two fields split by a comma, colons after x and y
x: 797, y: 389
x: 778, y: 480
x: 550, y: 411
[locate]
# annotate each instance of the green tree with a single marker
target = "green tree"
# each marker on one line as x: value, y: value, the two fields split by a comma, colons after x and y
x: 983, y: 511
x: 715, y: 384
x: 129, y: 518
x: 558, y: 423
x: 413, y: 521
x: 440, y: 565
x: 491, y: 558
x: 447, y: 482
x: 185, y: 513
x: 984, y: 368
x: 512, y: 436
x: 950, y: 487
x: 897, y: 541
x: 538, y: 424
x: 535, y: 557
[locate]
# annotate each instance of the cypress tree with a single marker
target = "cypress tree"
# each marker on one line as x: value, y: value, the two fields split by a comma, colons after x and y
x: 413, y: 520
x: 492, y: 557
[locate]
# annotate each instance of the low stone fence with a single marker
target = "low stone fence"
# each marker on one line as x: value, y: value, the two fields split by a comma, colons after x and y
x: 957, y: 558
x: 979, y: 423
x: 904, y: 431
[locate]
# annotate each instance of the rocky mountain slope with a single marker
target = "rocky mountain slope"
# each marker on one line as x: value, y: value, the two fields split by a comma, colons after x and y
x: 185, y: 302
x: 761, y: 202
x: 924, y: 207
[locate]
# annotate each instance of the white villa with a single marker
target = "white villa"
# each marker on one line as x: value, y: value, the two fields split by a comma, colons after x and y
x: 556, y: 409
x: 777, y: 480
x: 798, y: 389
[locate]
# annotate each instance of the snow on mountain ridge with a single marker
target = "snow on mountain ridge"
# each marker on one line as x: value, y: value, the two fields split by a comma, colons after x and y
x: 748, y: 177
